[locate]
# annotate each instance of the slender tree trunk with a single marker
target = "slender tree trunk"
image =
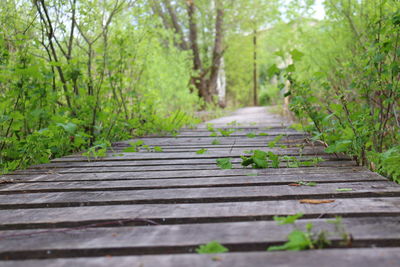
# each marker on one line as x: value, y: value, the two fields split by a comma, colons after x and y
x: 175, y: 23
x: 199, y: 79
x: 217, y: 52
x: 255, y: 85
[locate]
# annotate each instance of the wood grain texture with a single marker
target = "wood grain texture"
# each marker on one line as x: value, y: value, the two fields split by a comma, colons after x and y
x: 116, y: 209
x: 366, y: 257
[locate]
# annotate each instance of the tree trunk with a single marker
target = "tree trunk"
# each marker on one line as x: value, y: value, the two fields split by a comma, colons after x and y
x: 199, y: 79
x: 255, y: 102
x: 175, y: 23
x: 217, y: 52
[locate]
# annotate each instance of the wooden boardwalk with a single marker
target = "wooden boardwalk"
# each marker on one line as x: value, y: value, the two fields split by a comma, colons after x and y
x: 154, y: 208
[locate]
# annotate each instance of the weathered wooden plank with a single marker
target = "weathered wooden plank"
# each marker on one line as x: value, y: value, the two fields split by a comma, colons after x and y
x: 199, y: 212
x: 198, y: 195
x: 129, y: 163
x: 366, y: 257
x: 185, y: 182
x: 52, y: 176
x: 164, y: 167
x: 240, y: 133
x: 238, y: 235
x: 208, y: 140
x: 227, y: 149
x: 186, y: 155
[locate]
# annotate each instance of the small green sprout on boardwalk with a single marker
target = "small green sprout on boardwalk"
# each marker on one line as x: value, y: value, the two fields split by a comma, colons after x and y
x: 344, y: 189
x: 201, y: 151
x: 224, y: 163
x: 211, y: 248
x: 210, y: 127
x: 233, y: 123
x: 287, y: 219
x: 136, y: 146
x: 216, y: 142
x: 263, y: 134
x: 226, y: 132
x: 251, y: 135
x: 98, y: 150
x: 273, y: 143
x: 260, y: 159
x: 309, y: 239
x: 307, y: 183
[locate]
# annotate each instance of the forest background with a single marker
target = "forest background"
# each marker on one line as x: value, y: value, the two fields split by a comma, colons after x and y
x: 80, y: 74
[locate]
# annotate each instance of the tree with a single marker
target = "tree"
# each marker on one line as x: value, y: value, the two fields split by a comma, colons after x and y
x: 187, y: 17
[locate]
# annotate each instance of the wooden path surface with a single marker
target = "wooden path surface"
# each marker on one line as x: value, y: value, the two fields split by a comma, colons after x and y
x: 155, y: 208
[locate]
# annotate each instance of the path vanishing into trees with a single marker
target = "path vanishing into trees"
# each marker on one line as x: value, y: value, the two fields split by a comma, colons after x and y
x: 155, y: 208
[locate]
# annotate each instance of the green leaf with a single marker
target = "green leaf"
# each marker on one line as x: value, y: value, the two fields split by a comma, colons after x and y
x: 297, y: 240
x: 216, y: 142
x: 201, y: 151
x: 130, y: 149
x: 307, y: 183
x: 296, y: 55
x: 344, y: 189
x: 273, y: 70
x: 224, y: 163
x: 288, y: 219
x: 211, y: 247
x: 263, y: 134
x: 158, y: 149
x: 251, y: 135
x: 226, y: 132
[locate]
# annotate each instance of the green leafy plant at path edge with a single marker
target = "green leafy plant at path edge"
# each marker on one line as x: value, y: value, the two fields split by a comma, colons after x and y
x: 211, y: 247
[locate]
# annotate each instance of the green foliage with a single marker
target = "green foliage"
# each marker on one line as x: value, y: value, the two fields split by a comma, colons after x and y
x: 224, y: 163
x: 257, y: 160
x: 201, y: 151
x: 309, y: 239
x: 134, y: 146
x: 344, y: 189
x: 216, y: 142
x: 91, y: 91
x: 260, y: 159
x: 307, y: 183
x: 98, y: 150
x: 388, y: 162
x: 288, y: 219
x: 139, y: 145
x: 346, y: 92
x: 211, y: 247
x: 297, y: 240
x: 251, y: 135
x: 276, y: 140
x: 226, y: 132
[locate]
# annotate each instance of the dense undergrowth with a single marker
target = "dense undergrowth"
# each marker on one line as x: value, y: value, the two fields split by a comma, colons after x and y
x: 66, y: 85
x: 344, y: 75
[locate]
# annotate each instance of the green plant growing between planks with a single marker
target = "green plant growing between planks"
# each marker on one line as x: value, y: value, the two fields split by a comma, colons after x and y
x: 251, y: 135
x: 201, y: 151
x: 136, y: 146
x: 211, y: 248
x: 273, y: 143
x: 98, y: 150
x: 226, y: 133
x: 260, y: 159
x: 224, y: 163
x: 216, y: 142
x: 309, y: 238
